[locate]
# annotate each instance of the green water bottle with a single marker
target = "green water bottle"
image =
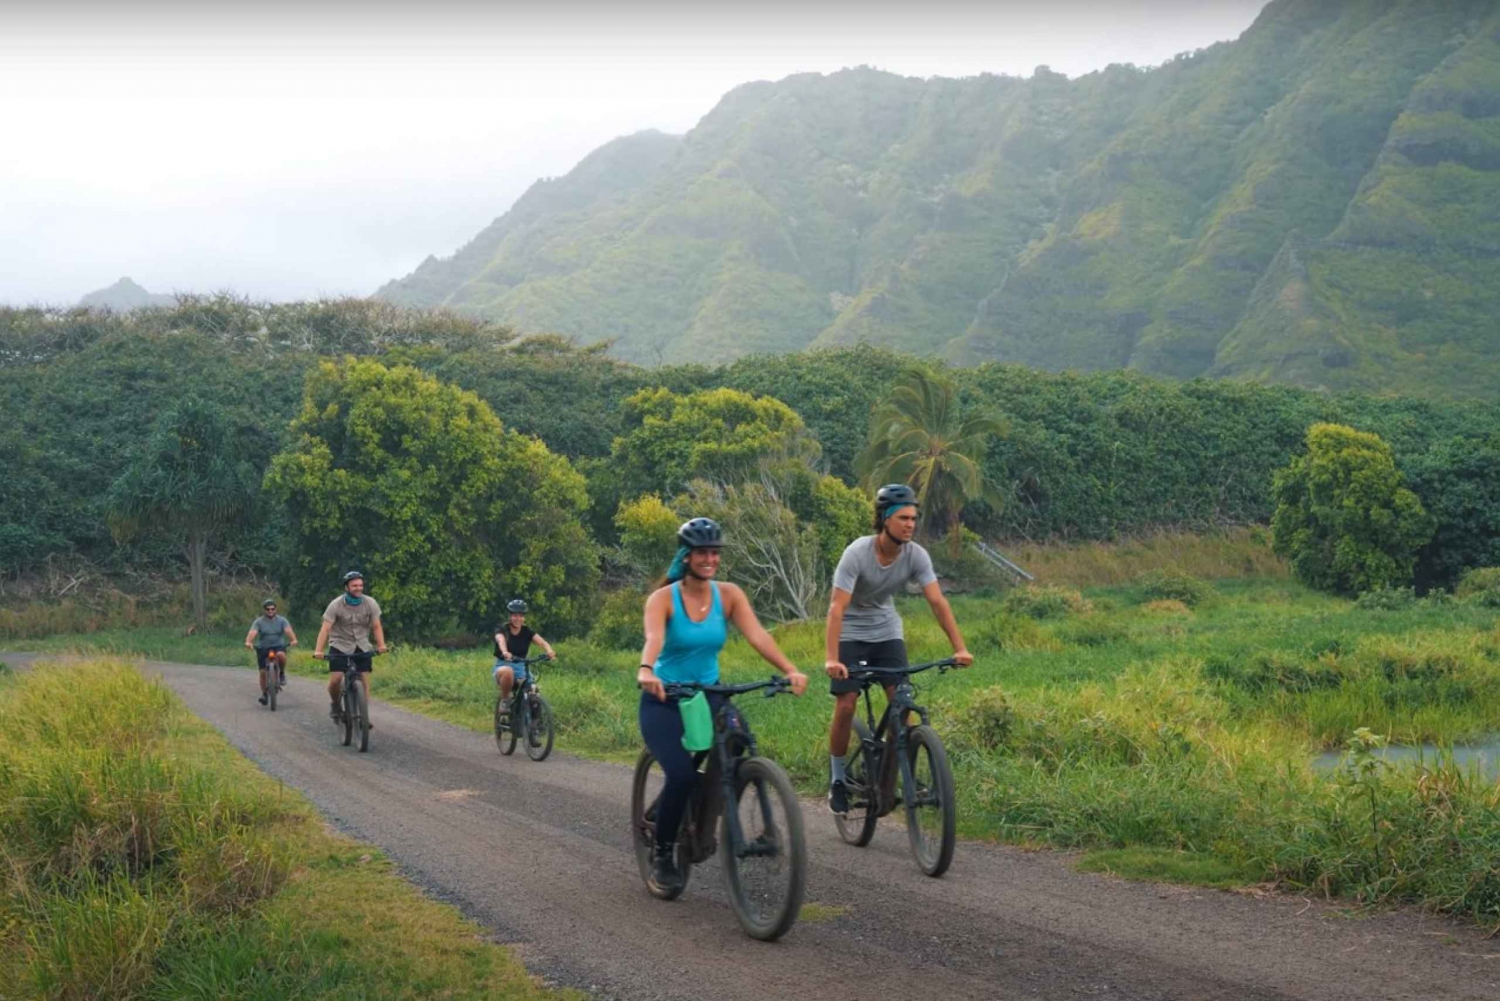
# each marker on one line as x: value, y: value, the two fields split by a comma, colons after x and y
x: 697, y: 723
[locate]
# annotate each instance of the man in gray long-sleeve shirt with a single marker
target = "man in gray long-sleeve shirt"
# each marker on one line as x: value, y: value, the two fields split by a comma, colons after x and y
x: 864, y: 627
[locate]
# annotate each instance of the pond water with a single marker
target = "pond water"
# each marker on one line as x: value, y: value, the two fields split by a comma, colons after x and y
x: 1485, y: 756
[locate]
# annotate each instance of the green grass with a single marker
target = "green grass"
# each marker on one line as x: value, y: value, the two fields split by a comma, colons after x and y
x: 1121, y: 721
x: 145, y: 859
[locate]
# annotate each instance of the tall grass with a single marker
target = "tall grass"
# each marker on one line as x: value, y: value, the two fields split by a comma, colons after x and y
x: 140, y: 857
x: 1222, y: 555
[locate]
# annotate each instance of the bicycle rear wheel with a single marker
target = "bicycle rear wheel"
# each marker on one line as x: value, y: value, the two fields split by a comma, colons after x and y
x: 539, y: 730
x: 644, y: 791
x: 505, y: 730
x: 362, y: 711
x: 861, y: 780
x: 767, y: 872
x: 931, y: 817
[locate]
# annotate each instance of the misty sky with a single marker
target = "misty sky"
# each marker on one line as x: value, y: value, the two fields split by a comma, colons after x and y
x: 292, y: 150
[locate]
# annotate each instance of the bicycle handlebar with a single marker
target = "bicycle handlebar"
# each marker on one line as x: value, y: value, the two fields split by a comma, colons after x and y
x: 862, y: 673
x: 539, y: 658
x: 686, y: 689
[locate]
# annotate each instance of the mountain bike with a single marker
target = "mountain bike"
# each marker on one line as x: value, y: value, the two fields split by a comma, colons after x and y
x: 530, y: 717
x: 276, y: 667
x: 765, y: 855
x: 354, y: 715
x: 915, y: 752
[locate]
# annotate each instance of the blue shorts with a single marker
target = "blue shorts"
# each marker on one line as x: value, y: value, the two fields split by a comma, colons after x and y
x: 519, y: 669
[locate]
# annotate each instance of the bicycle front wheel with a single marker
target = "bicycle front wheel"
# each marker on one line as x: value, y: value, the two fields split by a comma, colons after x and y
x: 862, y: 783
x: 348, y: 713
x: 505, y: 730
x: 931, y: 816
x: 362, y: 712
x: 645, y: 789
x: 539, y: 730
x: 271, y: 689
x: 767, y: 871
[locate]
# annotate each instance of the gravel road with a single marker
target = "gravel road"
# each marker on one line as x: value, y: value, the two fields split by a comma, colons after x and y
x: 539, y: 854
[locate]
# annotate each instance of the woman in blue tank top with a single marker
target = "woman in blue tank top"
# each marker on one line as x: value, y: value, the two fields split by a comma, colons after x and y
x: 687, y: 624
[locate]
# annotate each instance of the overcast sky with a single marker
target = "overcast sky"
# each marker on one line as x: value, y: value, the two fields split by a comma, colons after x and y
x: 286, y: 150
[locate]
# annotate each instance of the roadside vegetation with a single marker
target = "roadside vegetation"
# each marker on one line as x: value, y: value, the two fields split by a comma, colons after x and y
x: 144, y: 858
x: 1167, y: 725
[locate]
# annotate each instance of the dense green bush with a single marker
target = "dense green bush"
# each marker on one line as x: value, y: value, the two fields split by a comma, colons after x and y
x: 1481, y: 585
x: 417, y: 484
x: 618, y: 625
x: 1343, y: 517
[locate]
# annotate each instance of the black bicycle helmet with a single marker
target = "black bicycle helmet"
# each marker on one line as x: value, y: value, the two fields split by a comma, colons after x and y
x: 268, y: 603
x: 516, y: 606
x: 701, y: 533
x: 352, y: 575
x: 894, y: 495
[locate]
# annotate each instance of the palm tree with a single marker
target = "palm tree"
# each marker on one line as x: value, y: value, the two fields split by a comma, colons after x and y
x: 920, y: 436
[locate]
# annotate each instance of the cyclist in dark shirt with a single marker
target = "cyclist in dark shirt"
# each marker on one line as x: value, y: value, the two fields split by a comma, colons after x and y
x: 512, y: 643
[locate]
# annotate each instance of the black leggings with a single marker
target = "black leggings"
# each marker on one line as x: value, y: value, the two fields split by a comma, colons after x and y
x: 661, y: 726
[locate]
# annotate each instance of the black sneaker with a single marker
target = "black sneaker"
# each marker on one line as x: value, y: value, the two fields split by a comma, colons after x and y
x: 838, y: 798
x: 664, y: 875
x: 262, y: 699
x: 335, y: 713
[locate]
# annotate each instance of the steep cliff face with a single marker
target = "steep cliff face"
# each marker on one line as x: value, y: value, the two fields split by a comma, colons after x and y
x: 1313, y: 203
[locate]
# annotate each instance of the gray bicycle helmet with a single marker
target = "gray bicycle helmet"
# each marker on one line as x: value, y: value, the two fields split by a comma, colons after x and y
x: 894, y: 495
x: 352, y: 575
x: 516, y: 606
x: 701, y: 533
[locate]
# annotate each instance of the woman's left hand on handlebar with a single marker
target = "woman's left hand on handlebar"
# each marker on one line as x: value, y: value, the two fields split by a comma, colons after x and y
x: 963, y: 658
x: 798, y: 681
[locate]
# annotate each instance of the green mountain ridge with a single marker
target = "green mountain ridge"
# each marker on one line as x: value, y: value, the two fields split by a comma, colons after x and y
x: 1315, y: 203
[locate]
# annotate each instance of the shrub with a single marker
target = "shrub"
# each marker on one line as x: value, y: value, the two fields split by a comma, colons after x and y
x: 618, y: 626
x: 1046, y: 602
x: 1480, y: 586
x: 1167, y: 606
x: 986, y: 721
x: 1386, y: 599
x: 1171, y: 584
x: 450, y: 514
x: 1343, y: 517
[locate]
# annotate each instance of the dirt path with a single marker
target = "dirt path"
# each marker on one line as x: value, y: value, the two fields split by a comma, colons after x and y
x: 539, y: 853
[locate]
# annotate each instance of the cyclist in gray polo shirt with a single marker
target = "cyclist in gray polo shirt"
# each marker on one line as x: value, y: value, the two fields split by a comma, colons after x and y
x: 863, y: 624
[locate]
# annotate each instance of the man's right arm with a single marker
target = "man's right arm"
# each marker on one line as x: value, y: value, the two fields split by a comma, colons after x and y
x: 837, y: 603
x: 322, y: 644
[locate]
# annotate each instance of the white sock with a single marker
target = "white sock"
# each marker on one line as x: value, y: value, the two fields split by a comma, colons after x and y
x: 835, y: 768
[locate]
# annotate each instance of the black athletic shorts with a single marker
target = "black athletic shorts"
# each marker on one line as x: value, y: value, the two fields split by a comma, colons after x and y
x: 854, y: 653
x: 261, y: 655
x: 361, y: 660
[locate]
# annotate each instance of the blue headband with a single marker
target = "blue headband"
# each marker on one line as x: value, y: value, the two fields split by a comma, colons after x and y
x: 894, y: 508
x: 678, y: 569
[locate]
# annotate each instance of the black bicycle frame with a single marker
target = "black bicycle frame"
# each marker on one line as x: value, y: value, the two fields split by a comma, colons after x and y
x: 351, y: 674
x: 902, y: 702
x: 733, y: 742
